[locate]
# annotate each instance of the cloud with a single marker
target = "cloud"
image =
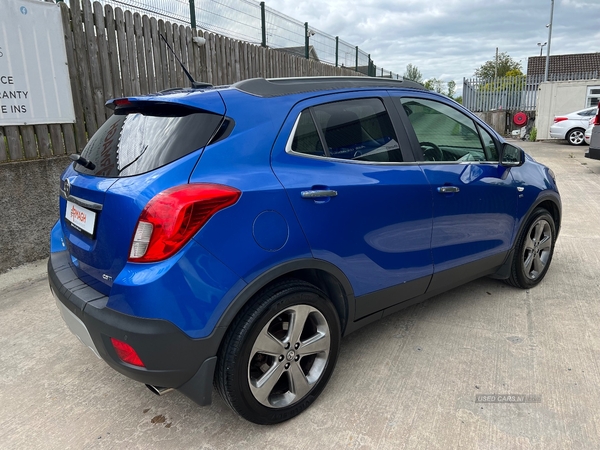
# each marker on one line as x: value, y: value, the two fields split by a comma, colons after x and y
x: 450, y: 39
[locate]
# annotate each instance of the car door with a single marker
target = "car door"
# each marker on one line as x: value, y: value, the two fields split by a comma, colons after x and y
x: 362, y: 202
x: 474, y: 197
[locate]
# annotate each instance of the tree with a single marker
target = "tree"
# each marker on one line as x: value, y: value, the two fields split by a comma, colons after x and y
x: 514, y: 81
x: 451, y: 88
x: 413, y: 73
x: 505, y: 65
x: 433, y: 84
x: 448, y: 89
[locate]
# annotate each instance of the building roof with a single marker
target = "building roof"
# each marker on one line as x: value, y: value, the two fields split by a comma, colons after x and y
x: 564, y: 64
x: 300, y: 51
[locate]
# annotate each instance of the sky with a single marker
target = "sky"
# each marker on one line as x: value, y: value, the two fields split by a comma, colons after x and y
x: 450, y: 39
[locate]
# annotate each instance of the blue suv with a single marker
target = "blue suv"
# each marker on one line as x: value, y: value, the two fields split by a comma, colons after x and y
x: 232, y: 235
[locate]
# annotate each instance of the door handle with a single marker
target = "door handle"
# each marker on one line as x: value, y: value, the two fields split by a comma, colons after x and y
x: 448, y: 189
x: 319, y: 193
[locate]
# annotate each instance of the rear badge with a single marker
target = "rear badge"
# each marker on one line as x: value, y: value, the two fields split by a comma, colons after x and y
x: 106, y: 277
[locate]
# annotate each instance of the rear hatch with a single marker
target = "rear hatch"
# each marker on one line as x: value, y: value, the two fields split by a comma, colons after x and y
x: 150, y: 144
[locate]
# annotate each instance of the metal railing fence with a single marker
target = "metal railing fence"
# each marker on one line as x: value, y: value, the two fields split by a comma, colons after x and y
x: 256, y: 23
x: 511, y: 93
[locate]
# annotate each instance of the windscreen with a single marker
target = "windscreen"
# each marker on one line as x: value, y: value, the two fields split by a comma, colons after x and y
x: 133, y: 144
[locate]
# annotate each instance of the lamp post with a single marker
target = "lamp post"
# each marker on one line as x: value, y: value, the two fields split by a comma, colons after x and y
x: 549, y: 40
x: 541, y: 46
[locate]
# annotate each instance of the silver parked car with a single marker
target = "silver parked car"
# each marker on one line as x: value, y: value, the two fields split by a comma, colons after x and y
x: 594, y: 150
x: 588, y: 132
x: 572, y: 126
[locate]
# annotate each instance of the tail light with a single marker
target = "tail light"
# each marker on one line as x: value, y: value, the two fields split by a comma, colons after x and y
x: 174, y: 216
x: 560, y: 119
x: 596, y: 119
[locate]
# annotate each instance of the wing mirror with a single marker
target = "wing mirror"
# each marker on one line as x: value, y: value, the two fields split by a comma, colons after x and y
x: 511, y: 156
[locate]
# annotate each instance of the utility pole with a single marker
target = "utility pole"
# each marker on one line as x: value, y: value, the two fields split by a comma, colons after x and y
x: 549, y: 40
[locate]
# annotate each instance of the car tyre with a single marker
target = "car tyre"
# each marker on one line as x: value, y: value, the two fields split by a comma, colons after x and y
x: 534, y: 250
x: 279, y: 353
x: 576, y: 136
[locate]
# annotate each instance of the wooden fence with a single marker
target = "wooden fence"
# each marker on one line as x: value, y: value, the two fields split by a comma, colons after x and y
x: 114, y: 53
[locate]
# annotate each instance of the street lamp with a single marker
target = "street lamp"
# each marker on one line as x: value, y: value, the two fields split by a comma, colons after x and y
x: 541, y: 46
x: 549, y: 40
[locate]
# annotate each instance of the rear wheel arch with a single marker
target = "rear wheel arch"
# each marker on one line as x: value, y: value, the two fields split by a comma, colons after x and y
x: 321, y: 274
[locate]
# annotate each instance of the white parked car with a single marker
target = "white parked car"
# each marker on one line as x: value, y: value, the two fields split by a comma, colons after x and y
x: 594, y: 150
x: 572, y: 126
x: 588, y: 133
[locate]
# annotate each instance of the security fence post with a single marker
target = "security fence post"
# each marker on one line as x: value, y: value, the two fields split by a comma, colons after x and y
x: 192, y: 14
x: 369, y: 66
x: 306, y: 38
x: 337, y: 47
x: 356, y: 68
x: 263, y: 24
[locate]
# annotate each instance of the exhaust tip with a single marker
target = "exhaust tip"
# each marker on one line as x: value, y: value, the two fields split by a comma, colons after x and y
x: 158, y: 390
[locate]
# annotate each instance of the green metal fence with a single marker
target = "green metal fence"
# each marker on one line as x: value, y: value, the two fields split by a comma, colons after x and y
x: 254, y: 22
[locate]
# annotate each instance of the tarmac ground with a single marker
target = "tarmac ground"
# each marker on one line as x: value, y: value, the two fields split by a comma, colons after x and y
x: 409, y: 381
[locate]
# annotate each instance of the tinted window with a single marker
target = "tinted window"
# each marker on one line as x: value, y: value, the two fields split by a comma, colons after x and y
x: 306, y: 139
x: 358, y: 130
x: 444, y: 133
x: 135, y: 143
x: 491, y: 152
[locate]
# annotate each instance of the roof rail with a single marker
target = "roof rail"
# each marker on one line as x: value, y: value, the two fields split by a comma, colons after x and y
x: 275, y: 87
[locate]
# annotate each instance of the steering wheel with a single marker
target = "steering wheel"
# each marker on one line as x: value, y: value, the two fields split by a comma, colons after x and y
x: 431, y: 152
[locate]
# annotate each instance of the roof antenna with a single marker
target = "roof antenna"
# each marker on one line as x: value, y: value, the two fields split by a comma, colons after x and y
x: 195, y: 84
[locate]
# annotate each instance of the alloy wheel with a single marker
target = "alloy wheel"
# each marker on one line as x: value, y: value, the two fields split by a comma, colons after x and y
x: 537, y: 248
x: 289, y: 356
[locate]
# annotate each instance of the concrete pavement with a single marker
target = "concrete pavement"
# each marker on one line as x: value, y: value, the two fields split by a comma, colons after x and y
x: 409, y: 381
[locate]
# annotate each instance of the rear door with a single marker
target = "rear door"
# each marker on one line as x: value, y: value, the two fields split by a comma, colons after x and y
x: 362, y: 202
x: 474, y: 197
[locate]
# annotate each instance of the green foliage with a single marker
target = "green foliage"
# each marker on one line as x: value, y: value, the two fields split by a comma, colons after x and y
x: 433, y: 84
x: 413, y: 73
x: 451, y: 88
x: 506, y: 67
x: 507, y: 83
x: 533, y: 134
x: 448, y: 89
x: 459, y: 99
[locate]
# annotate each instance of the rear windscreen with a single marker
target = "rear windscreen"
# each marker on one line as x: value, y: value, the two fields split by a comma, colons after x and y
x: 136, y: 143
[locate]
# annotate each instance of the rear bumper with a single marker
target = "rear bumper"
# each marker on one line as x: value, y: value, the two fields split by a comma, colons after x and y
x: 171, y: 358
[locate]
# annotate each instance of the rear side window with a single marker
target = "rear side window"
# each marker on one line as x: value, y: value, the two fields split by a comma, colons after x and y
x: 359, y: 130
x: 136, y: 143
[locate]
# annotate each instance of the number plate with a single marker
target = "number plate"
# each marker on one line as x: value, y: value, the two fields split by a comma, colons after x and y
x: 80, y: 218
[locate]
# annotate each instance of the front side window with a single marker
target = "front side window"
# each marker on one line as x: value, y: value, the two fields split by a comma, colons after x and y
x: 358, y: 130
x: 446, y: 134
